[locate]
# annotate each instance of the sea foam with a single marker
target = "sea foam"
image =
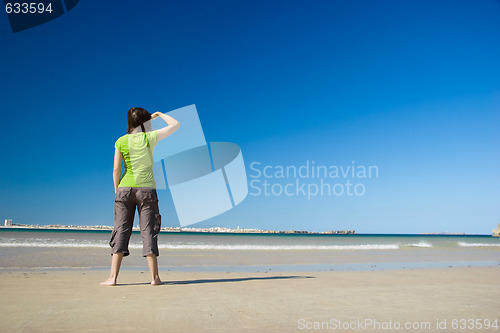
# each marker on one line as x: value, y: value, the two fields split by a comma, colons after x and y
x: 420, y: 244
x: 281, y: 247
x: 52, y: 244
x: 464, y: 244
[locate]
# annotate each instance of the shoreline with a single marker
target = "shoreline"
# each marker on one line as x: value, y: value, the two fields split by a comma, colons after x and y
x: 351, y: 267
x: 253, y: 260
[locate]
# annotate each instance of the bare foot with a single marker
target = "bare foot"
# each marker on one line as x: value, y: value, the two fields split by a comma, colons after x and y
x: 156, y: 282
x: 109, y: 282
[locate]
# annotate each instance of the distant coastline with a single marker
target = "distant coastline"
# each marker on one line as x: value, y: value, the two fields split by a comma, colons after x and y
x: 221, y: 230
x: 179, y: 229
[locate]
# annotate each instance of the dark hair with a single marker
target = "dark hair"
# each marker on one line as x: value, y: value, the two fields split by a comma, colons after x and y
x: 137, y: 117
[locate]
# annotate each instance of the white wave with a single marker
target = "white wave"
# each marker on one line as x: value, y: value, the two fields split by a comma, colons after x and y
x: 475, y: 244
x: 420, y: 244
x: 282, y: 247
x: 54, y: 244
x: 207, y: 246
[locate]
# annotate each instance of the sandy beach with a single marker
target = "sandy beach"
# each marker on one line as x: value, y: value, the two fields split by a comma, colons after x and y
x: 49, y: 282
x: 73, y: 301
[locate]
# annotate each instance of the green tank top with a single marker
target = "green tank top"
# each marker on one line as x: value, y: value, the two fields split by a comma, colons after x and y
x: 137, y: 150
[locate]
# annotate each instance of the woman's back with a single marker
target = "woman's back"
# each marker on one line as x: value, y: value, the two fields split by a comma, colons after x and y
x: 137, y: 150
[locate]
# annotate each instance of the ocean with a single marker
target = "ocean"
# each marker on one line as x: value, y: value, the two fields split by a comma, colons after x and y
x: 43, y: 248
x: 53, y: 238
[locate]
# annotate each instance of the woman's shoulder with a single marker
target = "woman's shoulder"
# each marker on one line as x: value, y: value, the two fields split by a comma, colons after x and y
x: 121, y: 140
x: 153, y: 133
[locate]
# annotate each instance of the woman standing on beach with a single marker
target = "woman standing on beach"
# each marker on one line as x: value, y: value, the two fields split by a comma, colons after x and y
x: 137, y: 189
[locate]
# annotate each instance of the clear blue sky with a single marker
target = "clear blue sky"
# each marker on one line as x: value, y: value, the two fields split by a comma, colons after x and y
x: 412, y: 87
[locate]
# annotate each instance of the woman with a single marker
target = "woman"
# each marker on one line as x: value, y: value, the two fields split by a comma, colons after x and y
x: 137, y: 189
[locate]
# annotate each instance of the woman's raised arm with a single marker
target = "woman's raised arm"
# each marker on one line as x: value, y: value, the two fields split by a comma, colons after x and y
x: 173, y: 125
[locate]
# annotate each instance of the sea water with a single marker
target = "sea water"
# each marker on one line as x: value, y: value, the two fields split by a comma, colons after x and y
x: 43, y: 238
x: 218, y: 251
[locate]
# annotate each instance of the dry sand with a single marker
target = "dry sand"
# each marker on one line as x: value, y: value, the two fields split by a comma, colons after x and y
x: 73, y: 300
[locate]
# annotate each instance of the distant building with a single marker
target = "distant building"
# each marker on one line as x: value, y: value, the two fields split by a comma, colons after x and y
x: 8, y: 223
x: 496, y: 232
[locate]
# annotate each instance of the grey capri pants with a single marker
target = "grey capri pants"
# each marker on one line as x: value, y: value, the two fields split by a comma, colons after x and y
x: 126, y: 201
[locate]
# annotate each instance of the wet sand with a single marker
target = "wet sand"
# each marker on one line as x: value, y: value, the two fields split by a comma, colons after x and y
x: 26, y: 257
x: 35, y: 300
